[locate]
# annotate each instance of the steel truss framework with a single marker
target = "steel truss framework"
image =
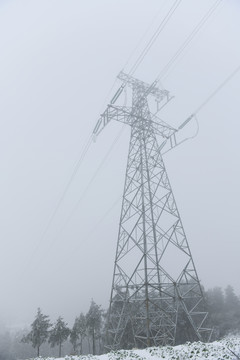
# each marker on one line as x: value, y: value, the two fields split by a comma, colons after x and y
x: 155, y: 283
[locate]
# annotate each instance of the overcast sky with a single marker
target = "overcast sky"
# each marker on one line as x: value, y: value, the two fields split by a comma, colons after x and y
x: 59, y: 60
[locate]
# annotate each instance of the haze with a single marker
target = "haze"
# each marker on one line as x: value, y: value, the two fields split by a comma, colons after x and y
x: 59, y: 60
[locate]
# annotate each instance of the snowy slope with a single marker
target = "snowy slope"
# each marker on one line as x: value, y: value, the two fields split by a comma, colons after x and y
x: 218, y: 350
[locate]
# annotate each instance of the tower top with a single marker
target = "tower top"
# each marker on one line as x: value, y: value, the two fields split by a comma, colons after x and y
x: 152, y: 89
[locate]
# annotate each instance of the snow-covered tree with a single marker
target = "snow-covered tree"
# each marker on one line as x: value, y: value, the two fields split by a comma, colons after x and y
x: 74, y: 335
x: 82, y: 328
x: 78, y: 332
x: 94, y: 322
x: 59, y: 334
x: 40, y: 331
x: 232, y: 302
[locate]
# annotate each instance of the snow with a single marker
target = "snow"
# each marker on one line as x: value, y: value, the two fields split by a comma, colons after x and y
x: 218, y: 350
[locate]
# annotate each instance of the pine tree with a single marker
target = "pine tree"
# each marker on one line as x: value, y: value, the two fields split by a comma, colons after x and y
x: 39, y: 333
x: 78, y: 332
x: 232, y: 302
x: 82, y: 328
x: 94, y: 322
x: 74, y: 335
x: 232, y: 310
x: 217, y: 316
x: 59, y: 334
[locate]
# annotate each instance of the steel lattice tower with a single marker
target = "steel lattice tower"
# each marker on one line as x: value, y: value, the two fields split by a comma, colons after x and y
x: 151, y: 293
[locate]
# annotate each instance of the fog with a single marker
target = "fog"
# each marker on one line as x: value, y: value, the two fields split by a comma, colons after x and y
x: 59, y: 60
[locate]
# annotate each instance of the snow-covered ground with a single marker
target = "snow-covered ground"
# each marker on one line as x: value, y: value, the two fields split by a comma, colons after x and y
x: 218, y: 350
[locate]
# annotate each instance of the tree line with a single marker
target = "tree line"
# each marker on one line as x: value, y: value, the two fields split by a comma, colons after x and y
x: 50, y: 339
x: 56, y: 334
x: 87, y: 335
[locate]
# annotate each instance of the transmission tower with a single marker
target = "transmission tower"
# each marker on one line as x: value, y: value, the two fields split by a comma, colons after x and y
x: 155, y: 288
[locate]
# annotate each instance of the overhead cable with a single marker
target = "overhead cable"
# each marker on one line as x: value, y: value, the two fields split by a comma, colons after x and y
x: 191, y: 36
x: 154, y: 36
x: 60, y: 201
x: 143, y: 36
x: 50, y: 243
x: 199, y: 108
x: 216, y: 90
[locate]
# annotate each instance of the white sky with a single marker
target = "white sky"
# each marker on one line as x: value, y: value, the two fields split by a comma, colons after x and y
x: 59, y: 60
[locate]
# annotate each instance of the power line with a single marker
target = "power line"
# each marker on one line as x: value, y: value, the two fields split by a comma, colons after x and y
x: 142, y: 37
x: 199, y: 108
x: 147, y: 48
x: 60, y: 201
x: 178, y: 52
x: 154, y: 36
x: 133, y: 69
x: 191, y: 36
x: 99, y: 168
x: 186, y: 42
x: 209, y: 98
x: 101, y: 220
x: 87, y: 187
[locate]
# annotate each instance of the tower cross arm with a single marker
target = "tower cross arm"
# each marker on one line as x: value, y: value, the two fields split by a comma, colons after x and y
x: 161, y: 127
x: 149, y: 88
x: 112, y: 112
x: 128, y: 116
x: 178, y: 137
